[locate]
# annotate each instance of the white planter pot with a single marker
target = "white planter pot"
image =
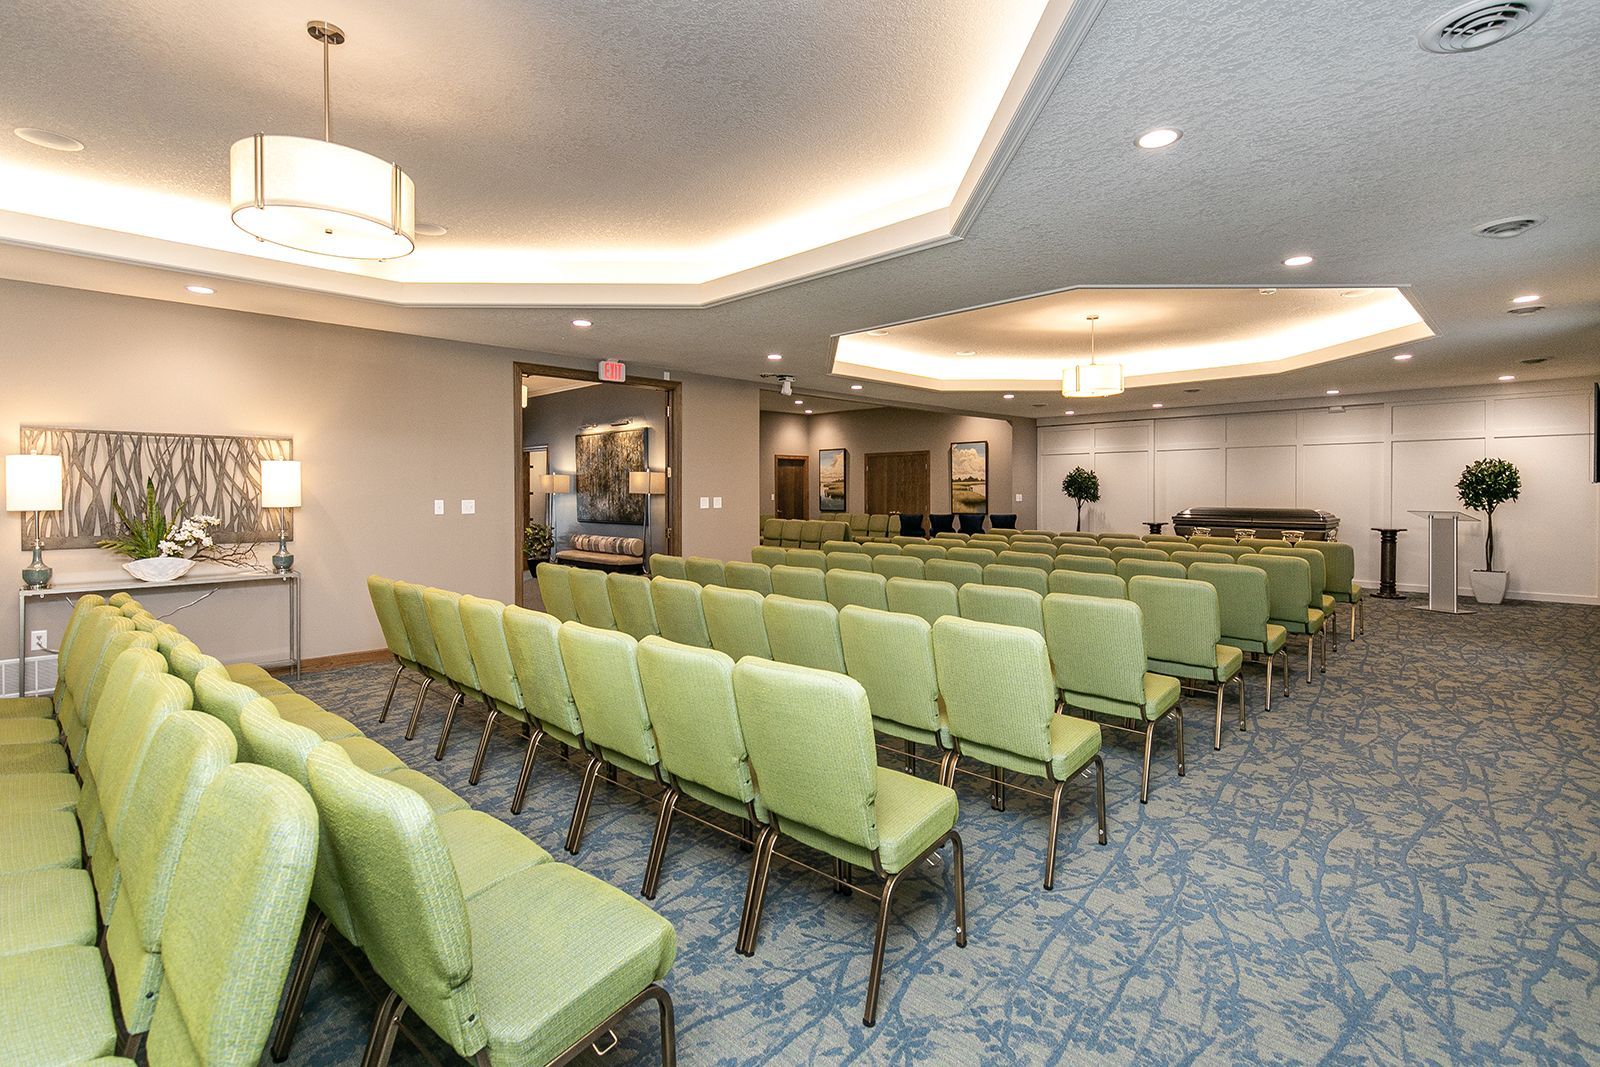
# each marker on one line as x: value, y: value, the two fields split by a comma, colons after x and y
x: 158, y: 569
x: 1489, y: 587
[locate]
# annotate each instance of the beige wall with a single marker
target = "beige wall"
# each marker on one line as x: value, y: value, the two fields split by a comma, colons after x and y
x: 384, y: 424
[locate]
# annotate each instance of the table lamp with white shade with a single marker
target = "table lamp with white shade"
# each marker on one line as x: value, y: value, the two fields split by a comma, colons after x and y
x: 280, y: 488
x: 33, y: 483
x: 647, y: 483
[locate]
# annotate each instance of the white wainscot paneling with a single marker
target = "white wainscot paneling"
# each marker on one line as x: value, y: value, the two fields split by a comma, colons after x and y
x: 1056, y: 510
x: 1062, y: 440
x: 1457, y: 419
x: 1122, y: 437
x: 1261, y: 477
x: 1364, y: 423
x: 1547, y: 538
x: 1190, y: 478
x: 1262, y: 428
x: 1540, y: 416
x: 1348, y: 480
x: 1210, y: 432
x: 1424, y: 478
x: 1124, y: 492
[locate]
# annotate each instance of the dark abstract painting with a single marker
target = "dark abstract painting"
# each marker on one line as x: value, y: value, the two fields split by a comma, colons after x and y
x: 604, y: 460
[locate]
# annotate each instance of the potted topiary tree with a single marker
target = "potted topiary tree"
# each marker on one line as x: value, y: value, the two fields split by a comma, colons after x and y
x: 1484, y: 486
x: 1083, y: 486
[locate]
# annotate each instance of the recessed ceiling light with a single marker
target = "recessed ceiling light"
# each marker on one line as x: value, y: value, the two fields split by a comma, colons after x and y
x: 1159, y: 138
x: 799, y: 402
x: 808, y: 411
x: 1297, y: 261
x: 582, y: 324
x: 431, y: 229
x: 1526, y: 298
x: 1158, y: 405
x: 1008, y: 396
x: 200, y: 290
x: 1069, y: 413
x: 774, y: 356
x: 1508, y: 377
x: 856, y: 386
x: 1331, y: 392
x: 1402, y: 357
x: 59, y: 142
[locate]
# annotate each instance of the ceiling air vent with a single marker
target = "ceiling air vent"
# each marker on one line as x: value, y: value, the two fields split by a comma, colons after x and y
x: 1479, y: 24
x: 1525, y: 309
x: 1512, y: 227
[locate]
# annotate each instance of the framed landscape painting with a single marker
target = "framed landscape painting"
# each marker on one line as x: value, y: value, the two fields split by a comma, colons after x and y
x: 832, y: 465
x: 969, y: 477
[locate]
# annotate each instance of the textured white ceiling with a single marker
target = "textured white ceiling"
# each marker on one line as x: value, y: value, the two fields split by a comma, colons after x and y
x: 1303, y: 131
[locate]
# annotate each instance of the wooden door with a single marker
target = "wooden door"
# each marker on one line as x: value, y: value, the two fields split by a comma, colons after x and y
x: 790, y: 487
x: 897, y: 482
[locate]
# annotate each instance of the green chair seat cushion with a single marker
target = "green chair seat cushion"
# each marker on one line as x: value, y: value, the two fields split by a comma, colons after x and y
x: 1327, y: 604
x: 1312, y: 625
x: 486, y: 851
x: 305, y: 712
x: 1277, y: 636
x: 29, y: 793
x: 1352, y: 597
x: 554, y: 952
x: 28, y: 731
x: 26, y: 708
x: 1229, y: 660
x: 1161, y: 695
x: 370, y: 756
x: 39, y: 842
x: 257, y: 678
x: 1073, y: 743
x: 55, y: 1007
x: 46, y: 909
x: 913, y: 813
x: 439, y: 797
x: 48, y: 758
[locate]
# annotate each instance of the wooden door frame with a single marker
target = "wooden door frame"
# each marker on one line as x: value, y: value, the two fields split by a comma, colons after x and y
x: 805, y: 483
x: 674, y: 391
x: 867, y: 463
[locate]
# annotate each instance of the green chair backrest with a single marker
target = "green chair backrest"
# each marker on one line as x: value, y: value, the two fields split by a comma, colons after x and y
x: 1340, y: 565
x: 1017, y: 577
x: 222, y: 698
x: 387, y: 608
x: 841, y: 546
x: 763, y: 554
x: 1085, y: 564
x: 414, y: 614
x: 88, y: 708
x: 853, y: 587
x: 882, y: 548
x: 1038, y: 548
x: 1318, y: 564
x: 803, y: 632
x: 110, y: 741
x: 980, y: 556
x: 802, y: 583
x: 891, y: 655
x: 533, y: 639
x: 1182, y: 619
x: 857, y: 524
x: 485, y: 624
x: 1083, y: 583
x: 1259, y: 543
x: 926, y: 552
x: 771, y: 534
x: 928, y: 600
x: 877, y: 525
x: 957, y: 572
x: 444, y: 615
x: 898, y: 566
x: 1288, y: 586
x: 908, y: 540
x: 1188, y: 558
x: 811, y: 745
x: 1097, y: 652
x: 1235, y: 551
x: 1122, y: 552
x: 1031, y: 537
x: 997, y: 688
x: 603, y: 668
x: 1081, y: 540
x: 703, y: 570
x: 185, y: 659
x: 555, y: 590
x: 1128, y: 569
x: 849, y: 561
x: 1003, y: 605
x: 1043, y: 562
x: 1243, y: 603
x: 631, y: 605
x: 1165, y: 539
x: 734, y: 622
x: 665, y: 566
x: 679, y: 614
x: 1083, y: 551
x: 591, y: 598
x: 991, y: 539
x: 227, y: 940
x: 1116, y: 541
x: 806, y: 557
x: 811, y: 534
x: 791, y: 532
x: 689, y: 692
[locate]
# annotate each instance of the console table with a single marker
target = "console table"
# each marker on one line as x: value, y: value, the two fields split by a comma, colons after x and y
x: 70, y: 590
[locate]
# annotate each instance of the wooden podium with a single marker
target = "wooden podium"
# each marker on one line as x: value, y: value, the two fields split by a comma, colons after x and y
x: 1442, y: 591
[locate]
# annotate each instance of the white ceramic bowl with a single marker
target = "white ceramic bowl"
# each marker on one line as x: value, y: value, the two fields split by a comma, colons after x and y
x: 158, y: 569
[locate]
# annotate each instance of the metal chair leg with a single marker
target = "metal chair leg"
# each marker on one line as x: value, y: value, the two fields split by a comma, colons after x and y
x: 1271, y: 659
x: 1324, y: 668
x: 299, y: 985
x: 416, y: 709
x: 870, y: 1016
x: 1144, y: 775
x: 1177, y: 712
x: 750, y: 890
x: 393, y: 682
x: 527, y: 770
x: 658, y: 843
x: 1311, y: 655
x: 997, y: 789
x: 948, y: 769
x: 1288, y: 670
x: 911, y: 757
x: 581, y: 811
x: 483, y: 747
x: 959, y: 870
x: 380, y: 1045
x: 1216, y: 742
x: 1055, y: 825
x: 669, y: 1029
x: 1243, y: 718
x: 1100, y: 793
x: 763, y: 869
x: 449, y: 721
x: 841, y: 874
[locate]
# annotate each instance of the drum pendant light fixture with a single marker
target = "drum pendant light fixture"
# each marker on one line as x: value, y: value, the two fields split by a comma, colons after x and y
x: 318, y: 196
x: 1092, y: 379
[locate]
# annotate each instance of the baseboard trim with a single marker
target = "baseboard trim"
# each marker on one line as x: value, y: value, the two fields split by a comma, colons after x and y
x: 343, y: 659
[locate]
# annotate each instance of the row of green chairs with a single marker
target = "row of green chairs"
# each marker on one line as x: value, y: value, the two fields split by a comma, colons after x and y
x: 802, y: 533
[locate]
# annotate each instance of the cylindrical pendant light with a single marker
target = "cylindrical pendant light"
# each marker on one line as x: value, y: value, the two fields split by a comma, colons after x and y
x: 1092, y: 379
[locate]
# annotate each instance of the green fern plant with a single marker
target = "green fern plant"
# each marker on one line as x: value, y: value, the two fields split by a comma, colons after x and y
x: 142, y: 536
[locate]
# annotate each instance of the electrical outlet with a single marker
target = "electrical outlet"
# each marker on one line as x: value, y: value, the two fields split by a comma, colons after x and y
x: 39, y: 641
x: 438, y: 507
x: 705, y: 502
x: 469, y: 507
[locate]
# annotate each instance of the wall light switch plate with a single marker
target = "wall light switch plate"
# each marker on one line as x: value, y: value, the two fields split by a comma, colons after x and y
x: 1019, y: 498
x: 469, y: 507
x: 438, y: 507
x: 705, y: 502
x: 716, y: 501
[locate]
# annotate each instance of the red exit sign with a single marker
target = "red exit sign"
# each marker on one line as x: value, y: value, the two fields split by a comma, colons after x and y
x: 613, y: 370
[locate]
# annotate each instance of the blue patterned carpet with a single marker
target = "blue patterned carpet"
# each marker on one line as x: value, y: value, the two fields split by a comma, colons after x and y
x: 1396, y: 865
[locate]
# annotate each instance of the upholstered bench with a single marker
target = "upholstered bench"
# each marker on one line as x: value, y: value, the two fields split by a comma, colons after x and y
x: 605, y: 553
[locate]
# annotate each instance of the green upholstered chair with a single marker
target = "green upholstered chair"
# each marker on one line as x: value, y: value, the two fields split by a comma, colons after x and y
x: 1097, y: 652
x: 1183, y: 638
x: 631, y: 606
x: 792, y: 529
x: 1044, y: 561
x: 1005, y: 605
x: 603, y: 669
x: 387, y: 608
x: 555, y: 590
x: 852, y: 587
x: 679, y: 614
x: 523, y: 964
x: 533, y: 639
x: 43, y: 707
x: 734, y: 622
x: 804, y: 632
x: 810, y: 738
x: 107, y: 634
x: 877, y: 526
x: 665, y: 566
x: 689, y: 692
x: 897, y: 566
x: 1122, y: 552
x: 1208, y: 541
x: 802, y: 583
x: 956, y: 572
x: 771, y: 534
x: 1189, y: 557
x: 1032, y: 537
x: 756, y: 577
x: 1318, y: 563
x: 444, y: 613
x: 1290, y: 598
x: 926, y: 599
x: 1080, y: 583
x: 1032, y: 578
x: 591, y: 598
x: 1081, y: 540
x: 1164, y: 539
x: 1256, y: 544
x: 1116, y: 541
x: 1236, y: 551
x: 1128, y: 569
x: 111, y: 754
x: 849, y: 561
x: 806, y: 557
x: 811, y: 534
x: 1083, y: 551
x: 1086, y: 564
x: 1001, y: 701
x: 1340, y: 578
x: 991, y: 539
x: 882, y: 548
x: 856, y: 523
x: 1037, y: 545
x: 926, y: 552
x: 703, y: 570
x: 771, y: 557
x: 484, y: 623
x: 981, y: 556
x: 414, y: 614
x: 841, y: 546
x: 952, y: 538
x: 908, y: 540
x: 891, y: 655
x: 1244, y: 604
